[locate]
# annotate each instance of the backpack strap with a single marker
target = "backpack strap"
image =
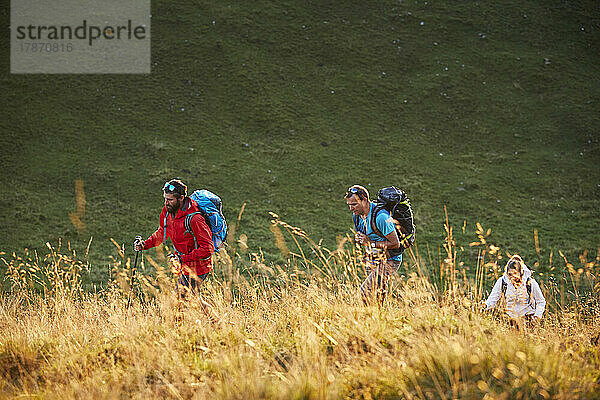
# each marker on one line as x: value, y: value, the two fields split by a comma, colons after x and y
x: 165, y: 228
x: 187, y: 223
x: 374, y: 227
x: 527, y: 286
x: 406, y: 240
x: 376, y: 230
x: 355, y: 220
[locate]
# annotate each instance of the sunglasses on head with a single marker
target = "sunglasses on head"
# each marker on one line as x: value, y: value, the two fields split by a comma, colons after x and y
x: 357, y: 191
x: 170, y: 188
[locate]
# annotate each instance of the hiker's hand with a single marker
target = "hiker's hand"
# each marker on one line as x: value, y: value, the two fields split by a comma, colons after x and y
x: 361, y: 238
x: 175, y: 263
x: 174, y: 258
x: 138, y: 244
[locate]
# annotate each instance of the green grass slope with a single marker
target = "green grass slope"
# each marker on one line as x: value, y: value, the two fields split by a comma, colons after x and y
x: 489, y: 108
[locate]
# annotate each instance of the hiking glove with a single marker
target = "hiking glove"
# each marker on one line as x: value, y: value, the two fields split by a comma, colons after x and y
x: 175, y: 263
x: 138, y: 244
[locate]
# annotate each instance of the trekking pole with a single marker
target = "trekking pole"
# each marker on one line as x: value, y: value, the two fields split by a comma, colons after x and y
x: 137, y: 253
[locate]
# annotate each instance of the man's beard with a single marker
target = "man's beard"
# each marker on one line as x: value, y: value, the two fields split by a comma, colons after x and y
x: 172, y: 209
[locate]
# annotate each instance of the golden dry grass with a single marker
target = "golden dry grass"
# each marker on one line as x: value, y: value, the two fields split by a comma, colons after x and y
x: 297, y: 330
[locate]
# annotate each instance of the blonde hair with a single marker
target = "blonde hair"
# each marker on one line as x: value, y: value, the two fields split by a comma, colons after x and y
x: 359, y: 191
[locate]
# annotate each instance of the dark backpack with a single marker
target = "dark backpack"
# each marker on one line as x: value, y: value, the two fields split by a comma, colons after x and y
x: 397, y: 204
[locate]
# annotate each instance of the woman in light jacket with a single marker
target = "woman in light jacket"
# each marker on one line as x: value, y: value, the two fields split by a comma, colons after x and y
x: 524, y: 299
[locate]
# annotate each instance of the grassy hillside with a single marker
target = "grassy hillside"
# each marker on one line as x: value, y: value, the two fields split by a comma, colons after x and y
x: 489, y: 108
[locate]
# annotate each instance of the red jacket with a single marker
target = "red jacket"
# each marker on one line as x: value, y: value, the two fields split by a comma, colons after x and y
x: 194, y: 260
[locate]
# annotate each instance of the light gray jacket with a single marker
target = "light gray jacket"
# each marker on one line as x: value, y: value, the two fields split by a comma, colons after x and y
x: 518, y: 302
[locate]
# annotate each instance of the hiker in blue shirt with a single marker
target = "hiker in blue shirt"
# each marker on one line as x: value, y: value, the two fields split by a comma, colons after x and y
x: 382, y: 261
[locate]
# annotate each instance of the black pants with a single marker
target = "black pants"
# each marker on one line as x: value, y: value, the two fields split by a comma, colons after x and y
x: 187, y: 283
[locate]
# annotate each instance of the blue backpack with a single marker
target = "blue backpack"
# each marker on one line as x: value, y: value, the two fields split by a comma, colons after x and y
x: 210, y: 207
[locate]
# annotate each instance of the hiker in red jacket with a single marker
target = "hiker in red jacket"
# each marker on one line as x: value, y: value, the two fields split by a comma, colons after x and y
x: 192, y: 259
